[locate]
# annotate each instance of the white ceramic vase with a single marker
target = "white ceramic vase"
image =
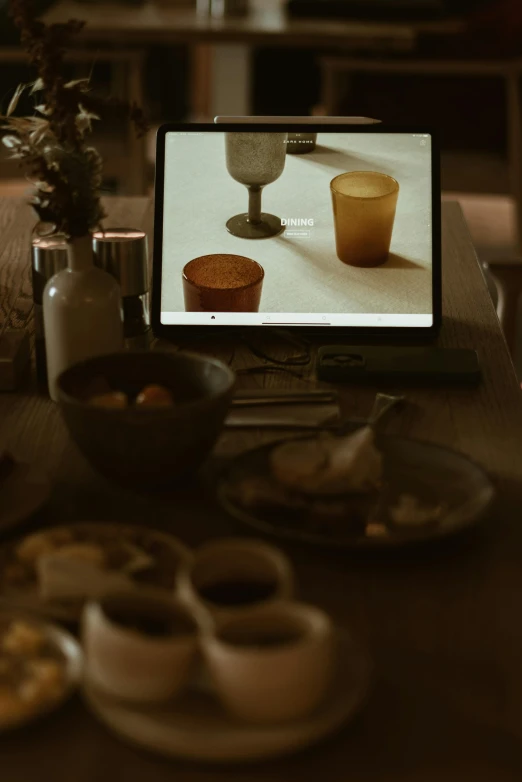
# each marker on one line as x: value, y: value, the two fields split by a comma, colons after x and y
x: 82, y: 312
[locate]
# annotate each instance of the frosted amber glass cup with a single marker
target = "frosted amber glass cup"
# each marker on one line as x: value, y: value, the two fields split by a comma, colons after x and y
x: 222, y: 283
x: 364, y: 206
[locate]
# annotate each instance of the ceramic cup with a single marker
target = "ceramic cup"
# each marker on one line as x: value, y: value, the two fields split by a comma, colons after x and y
x: 273, y: 664
x: 139, y: 647
x: 233, y: 575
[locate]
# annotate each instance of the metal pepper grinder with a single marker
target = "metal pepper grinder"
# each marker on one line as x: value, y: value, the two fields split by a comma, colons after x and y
x: 123, y: 252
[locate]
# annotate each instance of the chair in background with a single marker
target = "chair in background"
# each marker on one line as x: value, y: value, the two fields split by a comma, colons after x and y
x: 507, y: 274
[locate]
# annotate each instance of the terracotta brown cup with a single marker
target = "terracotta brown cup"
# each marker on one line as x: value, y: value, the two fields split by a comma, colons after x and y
x: 364, y: 206
x: 222, y: 283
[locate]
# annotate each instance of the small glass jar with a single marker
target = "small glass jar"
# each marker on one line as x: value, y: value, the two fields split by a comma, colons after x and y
x: 123, y: 252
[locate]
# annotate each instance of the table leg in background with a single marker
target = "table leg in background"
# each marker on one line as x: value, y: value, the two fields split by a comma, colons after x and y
x: 221, y: 79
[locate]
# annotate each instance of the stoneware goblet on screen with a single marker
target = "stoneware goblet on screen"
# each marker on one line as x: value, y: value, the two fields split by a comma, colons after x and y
x: 255, y: 160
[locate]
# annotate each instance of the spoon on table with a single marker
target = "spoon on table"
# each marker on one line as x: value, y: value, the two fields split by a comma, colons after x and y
x: 382, y: 405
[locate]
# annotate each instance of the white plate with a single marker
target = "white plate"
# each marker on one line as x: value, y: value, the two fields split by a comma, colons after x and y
x: 196, y: 727
x: 22, y: 493
x: 65, y: 648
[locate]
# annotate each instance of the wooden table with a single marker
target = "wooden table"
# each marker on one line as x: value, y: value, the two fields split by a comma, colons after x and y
x: 444, y: 624
x: 226, y: 63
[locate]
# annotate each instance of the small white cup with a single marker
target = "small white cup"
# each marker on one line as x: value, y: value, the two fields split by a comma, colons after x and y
x: 273, y: 664
x: 254, y: 572
x: 134, y: 665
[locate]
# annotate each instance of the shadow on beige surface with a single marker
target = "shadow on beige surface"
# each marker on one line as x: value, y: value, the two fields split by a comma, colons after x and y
x: 340, y: 160
x: 396, y: 261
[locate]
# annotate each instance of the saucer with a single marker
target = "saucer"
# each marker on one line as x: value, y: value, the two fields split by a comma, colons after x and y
x: 197, y: 727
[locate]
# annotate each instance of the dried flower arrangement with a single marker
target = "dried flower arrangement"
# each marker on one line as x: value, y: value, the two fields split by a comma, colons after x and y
x: 52, y: 146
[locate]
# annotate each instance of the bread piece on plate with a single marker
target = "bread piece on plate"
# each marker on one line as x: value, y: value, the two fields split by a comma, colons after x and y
x: 82, y: 552
x: 329, y: 465
x: 69, y: 579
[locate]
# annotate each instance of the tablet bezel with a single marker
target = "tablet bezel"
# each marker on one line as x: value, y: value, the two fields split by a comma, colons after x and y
x: 352, y: 334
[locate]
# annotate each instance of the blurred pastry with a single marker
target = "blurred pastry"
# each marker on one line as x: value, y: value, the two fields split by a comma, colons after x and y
x: 22, y: 638
x: 82, y: 552
x: 110, y: 399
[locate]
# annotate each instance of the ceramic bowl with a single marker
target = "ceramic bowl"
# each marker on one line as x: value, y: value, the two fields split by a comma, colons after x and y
x: 232, y: 575
x: 147, y: 448
x: 128, y: 653
x: 274, y: 664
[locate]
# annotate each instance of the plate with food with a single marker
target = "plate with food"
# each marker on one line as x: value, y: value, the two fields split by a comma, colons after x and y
x: 23, y: 491
x: 54, y: 571
x: 40, y: 667
x: 362, y: 490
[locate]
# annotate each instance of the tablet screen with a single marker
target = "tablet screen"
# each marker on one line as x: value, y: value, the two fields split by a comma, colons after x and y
x: 297, y: 229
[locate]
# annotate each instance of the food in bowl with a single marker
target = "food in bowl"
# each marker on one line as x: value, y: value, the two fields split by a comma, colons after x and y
x: 32, y: 672
x: 147, y: 447
x: 149, y: 396
x: 154, y: 396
